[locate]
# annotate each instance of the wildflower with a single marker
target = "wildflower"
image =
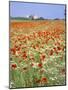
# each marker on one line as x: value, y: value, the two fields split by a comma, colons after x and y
x: 58, y: 48
x: 42, y: 57
x: 44, y: 79
x: 32, y: 64
x: 24, y: 56
x: 14, y: 66
x: 13, y: 50
x: 51, y: 52
x: 40, y: 65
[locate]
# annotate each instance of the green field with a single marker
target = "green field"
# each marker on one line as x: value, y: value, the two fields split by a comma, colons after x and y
x: 37, y: 53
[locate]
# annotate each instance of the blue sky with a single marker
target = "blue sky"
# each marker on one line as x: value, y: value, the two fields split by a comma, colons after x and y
x: 49, y: 11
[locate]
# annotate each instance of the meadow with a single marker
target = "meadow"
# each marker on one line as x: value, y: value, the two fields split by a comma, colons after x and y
x: 37, y: 53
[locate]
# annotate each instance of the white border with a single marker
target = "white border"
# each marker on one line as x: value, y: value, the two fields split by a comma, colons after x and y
x: 4, y: 44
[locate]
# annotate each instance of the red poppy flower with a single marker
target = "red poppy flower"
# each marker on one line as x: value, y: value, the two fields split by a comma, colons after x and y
x: 18, y: 48
x: 13, y: 50
x: 32, y: 64
x: 51, y: 52
x: 13, y: 66
x: 44, y: 79
x: 24, y: 55
x: 54, y: 48
x: 42, y: 57
x: 40, y: 65
x: 58, y: 48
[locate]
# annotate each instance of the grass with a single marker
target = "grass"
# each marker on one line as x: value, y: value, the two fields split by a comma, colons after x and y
x: 37, y: 53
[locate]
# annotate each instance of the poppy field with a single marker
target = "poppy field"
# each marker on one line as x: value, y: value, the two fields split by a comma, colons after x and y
x: 37, y: 53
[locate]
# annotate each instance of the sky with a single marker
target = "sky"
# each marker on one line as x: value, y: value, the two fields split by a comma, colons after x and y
x: 47, y: 11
